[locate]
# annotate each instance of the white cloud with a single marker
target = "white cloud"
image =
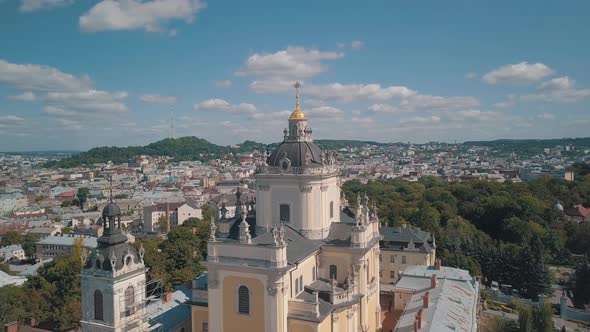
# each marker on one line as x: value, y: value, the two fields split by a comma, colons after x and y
x: 137, y: 14
x: 475, y: 115
x: 546, y: 116
x: 323, y: 112
x: 52, y: 110
x: 420, y: 101
x: 40, y: 78
x: 356, y: 44
x: 384, y: 108
x: 223, y: 84
x: 559, y: 83
x: 33, y: 5
x: 25, y: 96
x: 352, y: 92
x: 90, y: 100
x: 157, y: 99
x: 522, y: 72
x: 10, y: 118
x: 222, y: 105
x: 291, y: 63
x: 420, y: 120
x: 558, y: 90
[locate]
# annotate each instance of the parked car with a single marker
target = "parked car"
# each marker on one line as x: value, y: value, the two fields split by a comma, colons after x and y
x: 494, y: 286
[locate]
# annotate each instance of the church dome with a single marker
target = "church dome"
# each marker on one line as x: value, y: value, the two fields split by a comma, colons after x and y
x: 297, y: 154
x: 111, y: 210
x: 558, y: 206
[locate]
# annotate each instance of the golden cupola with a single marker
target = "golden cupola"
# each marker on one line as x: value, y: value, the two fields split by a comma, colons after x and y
x: 297, y: 113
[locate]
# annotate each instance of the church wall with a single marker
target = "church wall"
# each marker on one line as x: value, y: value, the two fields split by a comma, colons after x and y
x: 342, y: 260
x: 295, y: 325
x: 304, y: 269
x: 199, y: 315
x: 113, y: 292
x: 234, y: 321
x: 309, y: 198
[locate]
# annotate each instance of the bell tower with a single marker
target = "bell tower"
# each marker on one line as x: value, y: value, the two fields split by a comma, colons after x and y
x: 299, y: 186
x: 113, y: 280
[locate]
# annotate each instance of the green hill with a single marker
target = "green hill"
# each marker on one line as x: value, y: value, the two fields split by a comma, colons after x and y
x: 184, y: 148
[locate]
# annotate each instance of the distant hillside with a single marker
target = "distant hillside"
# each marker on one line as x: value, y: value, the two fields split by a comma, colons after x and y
x: 530, y: 146
x: 335, y: 144
x: 184, y: 148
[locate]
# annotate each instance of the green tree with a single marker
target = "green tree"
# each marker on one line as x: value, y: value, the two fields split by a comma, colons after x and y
x: 207, y: 213
x: 67, y: 230
x: 12, y: 305
x: 5, y: 267
x: 543, y: 318
x: 29, y: 244
x: 535, y: 276
x: 582, y: 286
x: 10, y: 238
x: 525, y: 319
x: 162, y: 225
x: 83, y: 194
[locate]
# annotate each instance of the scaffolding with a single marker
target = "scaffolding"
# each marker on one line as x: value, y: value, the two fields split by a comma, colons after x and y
x: 142, y: 311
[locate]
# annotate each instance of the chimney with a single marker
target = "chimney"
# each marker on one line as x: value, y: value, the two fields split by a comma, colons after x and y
x: 437, y: 264
x: 426, y: 300
x: 433, y: 281
x: 167, y: 297
x: 416, y: 328
x: 11, y: 327
x: 419, y: 319
x: 167, y: 218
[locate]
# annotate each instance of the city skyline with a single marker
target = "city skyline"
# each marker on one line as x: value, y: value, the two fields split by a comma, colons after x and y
x: 75, y: 75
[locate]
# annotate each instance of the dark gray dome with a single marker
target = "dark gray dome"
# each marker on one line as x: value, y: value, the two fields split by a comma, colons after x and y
x: 111, y: 210
x: 100, y: 257
x: 298, y: 153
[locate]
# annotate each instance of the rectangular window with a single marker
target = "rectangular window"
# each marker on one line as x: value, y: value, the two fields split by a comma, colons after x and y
x: 392, y: 258
x: 205, y: 327
x: 301, y: 283
x: 284, y: 213
x: 296, y: 286
x: 333, y: 272
x: 332, y: 209
x: 313, y: 272
x: 392, y: 274
x: 403, y: 259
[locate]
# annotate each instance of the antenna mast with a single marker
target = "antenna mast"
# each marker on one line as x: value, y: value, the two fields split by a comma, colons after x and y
x: 172, y: 123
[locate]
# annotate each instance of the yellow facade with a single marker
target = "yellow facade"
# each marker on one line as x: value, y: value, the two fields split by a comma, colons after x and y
x: 234, y: 321
x: 395, y: 262
x: 199, y: 315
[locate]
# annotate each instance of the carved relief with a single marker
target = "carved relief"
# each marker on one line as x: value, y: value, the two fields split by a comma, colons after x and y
x: 305, y: 189
x: 324, y: 188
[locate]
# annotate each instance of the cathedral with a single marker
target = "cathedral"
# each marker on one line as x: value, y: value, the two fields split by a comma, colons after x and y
x: 295, y: 258
x: 298, y: 258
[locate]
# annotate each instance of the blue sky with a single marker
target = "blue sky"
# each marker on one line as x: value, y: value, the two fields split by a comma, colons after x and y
x: 77, y: 74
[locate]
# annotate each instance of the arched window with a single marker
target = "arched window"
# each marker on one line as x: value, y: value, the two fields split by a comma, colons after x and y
x: 129, y: 301
x: 244, y: 300
x: 285, y: 213
x: 98, y: 305
x: 333, y: 272
x: 332, y: 209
